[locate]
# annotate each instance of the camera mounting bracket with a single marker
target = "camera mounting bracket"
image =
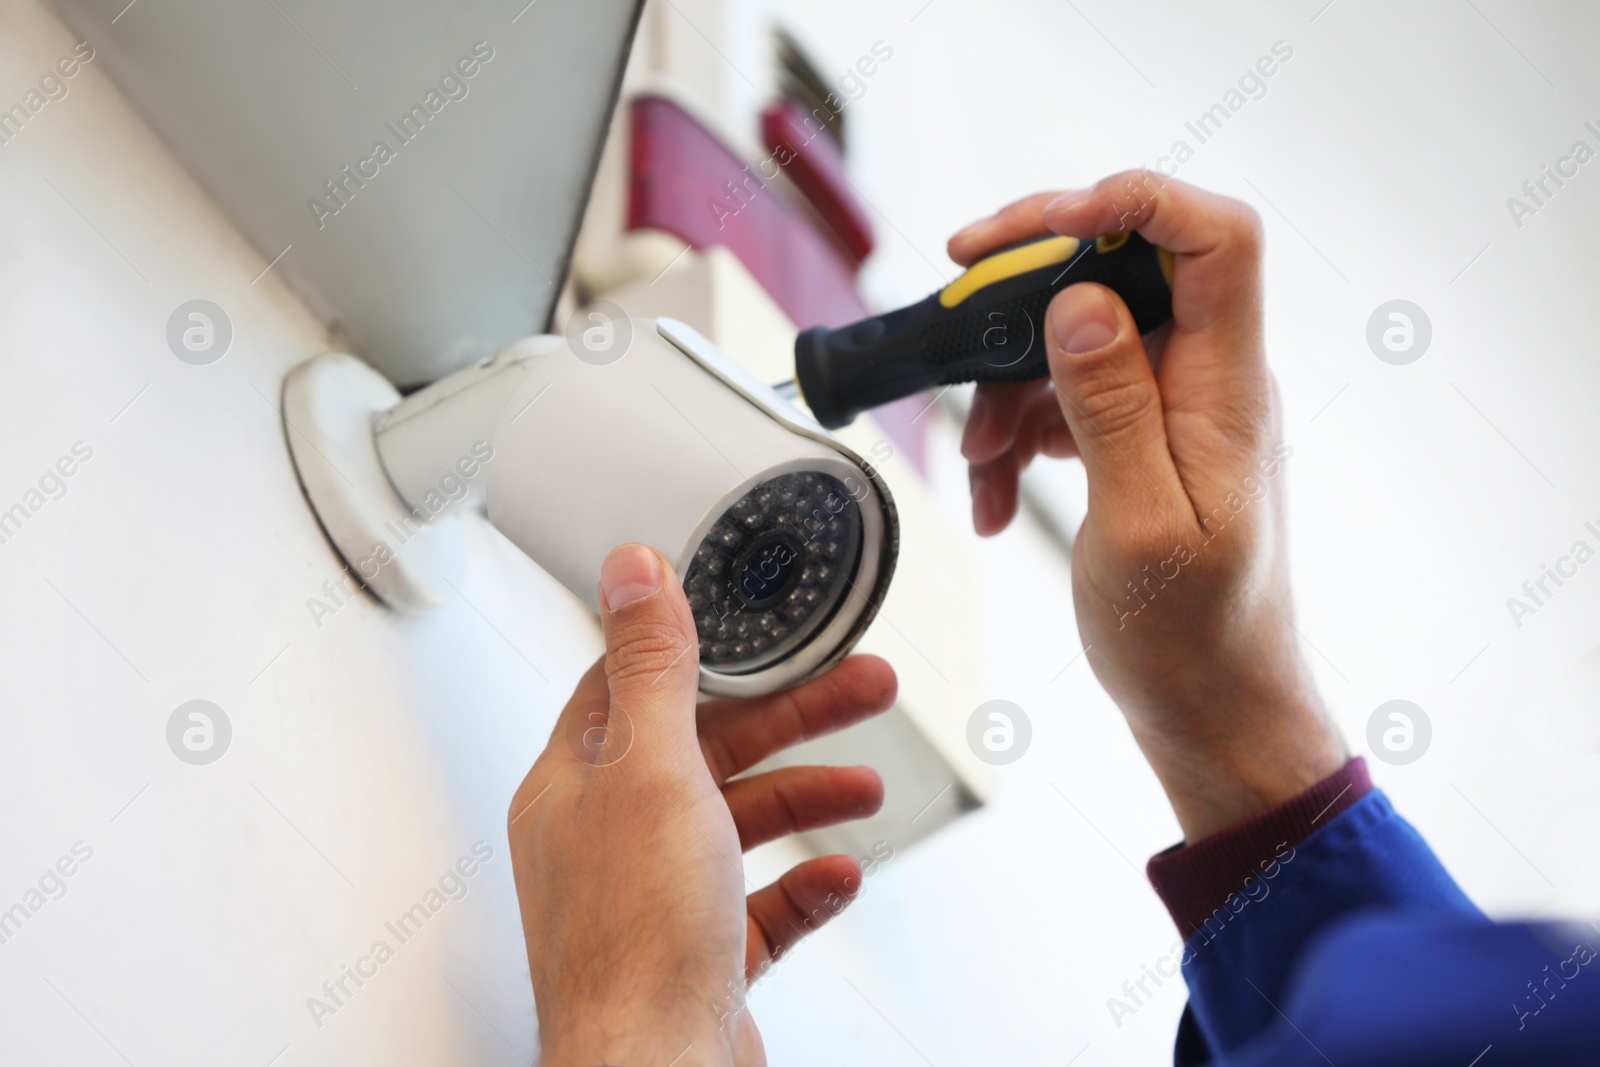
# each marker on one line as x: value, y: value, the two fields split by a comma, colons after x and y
x: 387, y: 477
x: 329, y: 404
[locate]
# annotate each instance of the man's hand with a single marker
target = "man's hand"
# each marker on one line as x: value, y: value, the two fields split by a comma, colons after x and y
x: 1180, y: 578
x: 626, y: 838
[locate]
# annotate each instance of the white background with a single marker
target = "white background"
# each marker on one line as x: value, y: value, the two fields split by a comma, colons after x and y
x: 370, y: 753
x: 1421, y: 497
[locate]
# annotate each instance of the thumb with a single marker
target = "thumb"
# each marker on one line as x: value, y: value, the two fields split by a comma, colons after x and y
x: 1109, y: 397
x: 652, y: 659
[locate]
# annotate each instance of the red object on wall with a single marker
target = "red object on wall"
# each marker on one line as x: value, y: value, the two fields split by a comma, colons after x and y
x: 814, y: 163
x: 683, y: 180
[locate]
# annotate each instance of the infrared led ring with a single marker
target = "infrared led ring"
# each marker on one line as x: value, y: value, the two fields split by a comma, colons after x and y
x: 772, y: 570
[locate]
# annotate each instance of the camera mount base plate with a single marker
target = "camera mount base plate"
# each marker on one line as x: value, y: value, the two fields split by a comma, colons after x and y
x: 409, y: 562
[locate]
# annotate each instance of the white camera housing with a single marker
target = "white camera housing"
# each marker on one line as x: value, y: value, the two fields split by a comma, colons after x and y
x: 651, y: 435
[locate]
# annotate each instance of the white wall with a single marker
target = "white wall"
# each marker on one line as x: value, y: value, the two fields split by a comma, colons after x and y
x: 373, y: 751
x: 368, y: 754
x: 1381, y: 158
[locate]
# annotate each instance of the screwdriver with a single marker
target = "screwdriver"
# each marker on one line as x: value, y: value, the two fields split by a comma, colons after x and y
x: 982, y: 327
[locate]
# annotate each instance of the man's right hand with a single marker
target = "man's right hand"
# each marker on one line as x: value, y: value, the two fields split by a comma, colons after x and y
x: 1180, y: 576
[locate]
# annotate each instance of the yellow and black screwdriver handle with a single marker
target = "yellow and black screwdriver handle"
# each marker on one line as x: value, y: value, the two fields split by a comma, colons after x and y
x: 986, y: 326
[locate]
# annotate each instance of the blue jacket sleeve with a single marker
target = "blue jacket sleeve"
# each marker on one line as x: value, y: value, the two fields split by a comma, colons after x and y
x: 1412, y: 990
x: 1238, y: 962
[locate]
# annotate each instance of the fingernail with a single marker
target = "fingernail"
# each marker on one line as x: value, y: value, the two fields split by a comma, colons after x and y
x: 630, y: 572
x: 1084, y: 320
x: 1066, y: 200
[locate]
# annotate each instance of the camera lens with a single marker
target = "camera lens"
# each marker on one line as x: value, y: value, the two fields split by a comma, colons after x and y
x: 768, y: 569
x: 772, y: 570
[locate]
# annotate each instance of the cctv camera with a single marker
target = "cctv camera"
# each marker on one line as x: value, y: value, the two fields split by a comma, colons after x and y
x: 635, y: 430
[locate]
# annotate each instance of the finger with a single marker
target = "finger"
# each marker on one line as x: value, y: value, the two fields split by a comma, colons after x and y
x: 996, y: 484
x: 805, y: 898
x: 652, y: 661
x: 1216, y: 388
x: 992, y: 423
x: 1109, y: 398
x: 1044, y: 430
x: 1216, y: 241
x: 1013, y: 223
x: 994, y: 487
x: 737, y: 734
x: 792, y: 800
